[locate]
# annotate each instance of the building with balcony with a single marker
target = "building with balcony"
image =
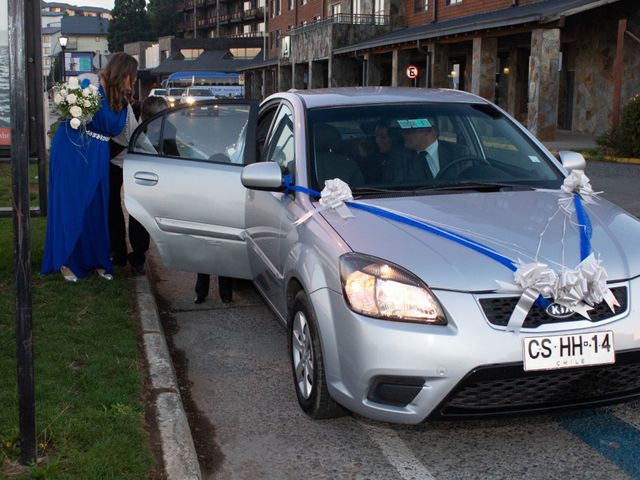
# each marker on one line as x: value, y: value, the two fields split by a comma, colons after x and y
x: 79, y: 31
x: 552, y: 64
x: 221, y: 18
x: 57, y: 8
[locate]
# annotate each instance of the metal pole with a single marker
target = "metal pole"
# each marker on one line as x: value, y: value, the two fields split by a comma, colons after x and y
x: 21, y: 225
x: 62, y: 64
x: 617, y: 73
x: 264, y: 33
x: 195, y: 29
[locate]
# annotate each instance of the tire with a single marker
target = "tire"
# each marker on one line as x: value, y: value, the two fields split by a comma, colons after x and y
x: 307, y: 363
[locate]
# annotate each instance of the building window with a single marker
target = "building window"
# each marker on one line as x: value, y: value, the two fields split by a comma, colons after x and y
x: 191, y: 53
x: 291, y: 4
x: 336, y: 8
x: 357, y: 7
x: 317, y: 18
x: 275, y: 39
x: 244, y: 53
x: 304, y: 2
x: 421, y: 6
x: 303, y: 23
x: 453, y: 2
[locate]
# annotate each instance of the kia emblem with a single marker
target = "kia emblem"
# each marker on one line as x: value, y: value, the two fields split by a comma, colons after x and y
x: 556, y: 310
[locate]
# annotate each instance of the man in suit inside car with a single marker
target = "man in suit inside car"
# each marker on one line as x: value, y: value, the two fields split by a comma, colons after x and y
x: 421, y: 136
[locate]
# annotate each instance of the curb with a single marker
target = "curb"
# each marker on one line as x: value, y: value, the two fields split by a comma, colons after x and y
x: 178, y: 451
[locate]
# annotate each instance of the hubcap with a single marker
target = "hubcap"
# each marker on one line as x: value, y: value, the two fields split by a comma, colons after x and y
x: 302, y: 353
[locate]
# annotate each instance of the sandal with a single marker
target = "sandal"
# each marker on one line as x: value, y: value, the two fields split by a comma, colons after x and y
x: 102, y: 274
x: 67, y: 274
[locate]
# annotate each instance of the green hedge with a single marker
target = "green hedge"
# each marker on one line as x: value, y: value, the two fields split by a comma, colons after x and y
x: 624, y: 140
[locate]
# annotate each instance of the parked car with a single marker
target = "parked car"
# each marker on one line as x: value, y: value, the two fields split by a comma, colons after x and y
x: 403, y: 305
x: 159, y: 92
x: 194, y: 98
x: 174, y: 95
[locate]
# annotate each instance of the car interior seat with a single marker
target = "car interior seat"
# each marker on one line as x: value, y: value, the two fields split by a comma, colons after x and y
x: 329, y: 162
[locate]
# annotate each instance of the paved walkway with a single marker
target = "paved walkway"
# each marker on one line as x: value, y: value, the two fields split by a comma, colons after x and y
x: 566, y: 140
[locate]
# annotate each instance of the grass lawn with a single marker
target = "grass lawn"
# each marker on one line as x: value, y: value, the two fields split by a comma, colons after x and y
x: 89, y: 380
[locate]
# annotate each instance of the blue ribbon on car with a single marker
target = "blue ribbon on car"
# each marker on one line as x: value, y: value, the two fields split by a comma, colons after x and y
x: 584, y: 224
x: 585, y: 229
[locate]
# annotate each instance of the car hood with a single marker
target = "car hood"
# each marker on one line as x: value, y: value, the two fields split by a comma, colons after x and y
x: 515, y: 224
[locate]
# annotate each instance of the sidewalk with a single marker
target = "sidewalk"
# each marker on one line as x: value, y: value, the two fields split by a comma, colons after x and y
x: 579, y: 142
x: 567, y: 140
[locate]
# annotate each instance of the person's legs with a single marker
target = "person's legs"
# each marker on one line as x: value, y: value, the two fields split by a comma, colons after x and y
x: 91, y: 252
x: 139, y: 240
x: 116, y: 217
x: 202, y: 287
x: 225, y: 288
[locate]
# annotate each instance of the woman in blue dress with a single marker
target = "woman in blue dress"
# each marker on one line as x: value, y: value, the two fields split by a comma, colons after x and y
x: 77, y: 240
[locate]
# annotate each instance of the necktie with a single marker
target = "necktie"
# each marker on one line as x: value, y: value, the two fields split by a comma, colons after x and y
x: 431, y: 162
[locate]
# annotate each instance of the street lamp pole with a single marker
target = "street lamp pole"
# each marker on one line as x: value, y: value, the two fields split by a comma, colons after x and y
x: 63, y: 45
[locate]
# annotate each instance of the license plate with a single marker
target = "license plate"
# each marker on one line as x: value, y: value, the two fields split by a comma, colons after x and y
x: 566, y: 351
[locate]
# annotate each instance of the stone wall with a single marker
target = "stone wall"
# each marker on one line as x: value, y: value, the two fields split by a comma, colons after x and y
x: 318, y: 43
x: 593, y: 53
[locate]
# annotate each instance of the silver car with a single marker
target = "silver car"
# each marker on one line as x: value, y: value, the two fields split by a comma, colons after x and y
x: 474, y: 277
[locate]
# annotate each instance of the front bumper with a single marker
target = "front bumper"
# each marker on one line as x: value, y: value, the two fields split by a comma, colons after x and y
x: 460, y: 366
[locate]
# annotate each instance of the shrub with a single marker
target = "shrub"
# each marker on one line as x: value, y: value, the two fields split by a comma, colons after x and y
x: 624, y: 140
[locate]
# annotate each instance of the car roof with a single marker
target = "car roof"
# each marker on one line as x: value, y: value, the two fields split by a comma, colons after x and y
x: 345, y: 96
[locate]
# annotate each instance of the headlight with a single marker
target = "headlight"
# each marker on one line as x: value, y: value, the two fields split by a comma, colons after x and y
x: 380, y: 289
x: 191, y: 100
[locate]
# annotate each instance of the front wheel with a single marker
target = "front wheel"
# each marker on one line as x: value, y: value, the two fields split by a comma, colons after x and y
x: 308, y: 364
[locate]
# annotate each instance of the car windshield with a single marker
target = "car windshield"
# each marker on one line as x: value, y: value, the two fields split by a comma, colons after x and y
x: 424, y: 147
x: 175, y: 92
x: 159, y: 92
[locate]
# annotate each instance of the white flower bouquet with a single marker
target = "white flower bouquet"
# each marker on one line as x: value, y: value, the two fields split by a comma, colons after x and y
x: 77, y: 101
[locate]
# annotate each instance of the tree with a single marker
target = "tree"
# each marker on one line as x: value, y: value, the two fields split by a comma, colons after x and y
x: 130, y: 23
x: 163, y: 16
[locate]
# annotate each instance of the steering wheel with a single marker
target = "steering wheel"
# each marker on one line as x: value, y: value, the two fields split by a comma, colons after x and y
x: 445, y: 172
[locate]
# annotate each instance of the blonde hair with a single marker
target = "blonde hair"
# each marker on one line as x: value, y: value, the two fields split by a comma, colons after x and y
x: 120, y: 67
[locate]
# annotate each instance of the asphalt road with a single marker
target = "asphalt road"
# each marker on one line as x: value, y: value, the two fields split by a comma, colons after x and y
x: 234, y: 366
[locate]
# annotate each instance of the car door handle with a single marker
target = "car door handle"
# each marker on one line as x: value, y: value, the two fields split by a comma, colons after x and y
x: 145, y: 178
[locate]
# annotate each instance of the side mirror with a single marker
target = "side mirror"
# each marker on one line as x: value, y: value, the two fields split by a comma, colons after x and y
x: 572, y: 160
x: 262, y: 176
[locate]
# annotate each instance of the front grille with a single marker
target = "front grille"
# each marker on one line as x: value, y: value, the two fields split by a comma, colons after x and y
x: 498, y: 310
x: 501, y: 389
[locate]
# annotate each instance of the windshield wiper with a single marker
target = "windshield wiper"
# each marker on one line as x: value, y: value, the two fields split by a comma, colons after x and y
x: 475, y: 186
x: 376, y: 191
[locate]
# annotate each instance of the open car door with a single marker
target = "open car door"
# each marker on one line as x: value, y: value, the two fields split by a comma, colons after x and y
x: 182, y: 183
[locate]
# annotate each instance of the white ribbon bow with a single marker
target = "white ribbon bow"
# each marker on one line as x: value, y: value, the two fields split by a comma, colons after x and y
x: 577, y: 289
x: 333, y: 195
x: 576, y: 182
